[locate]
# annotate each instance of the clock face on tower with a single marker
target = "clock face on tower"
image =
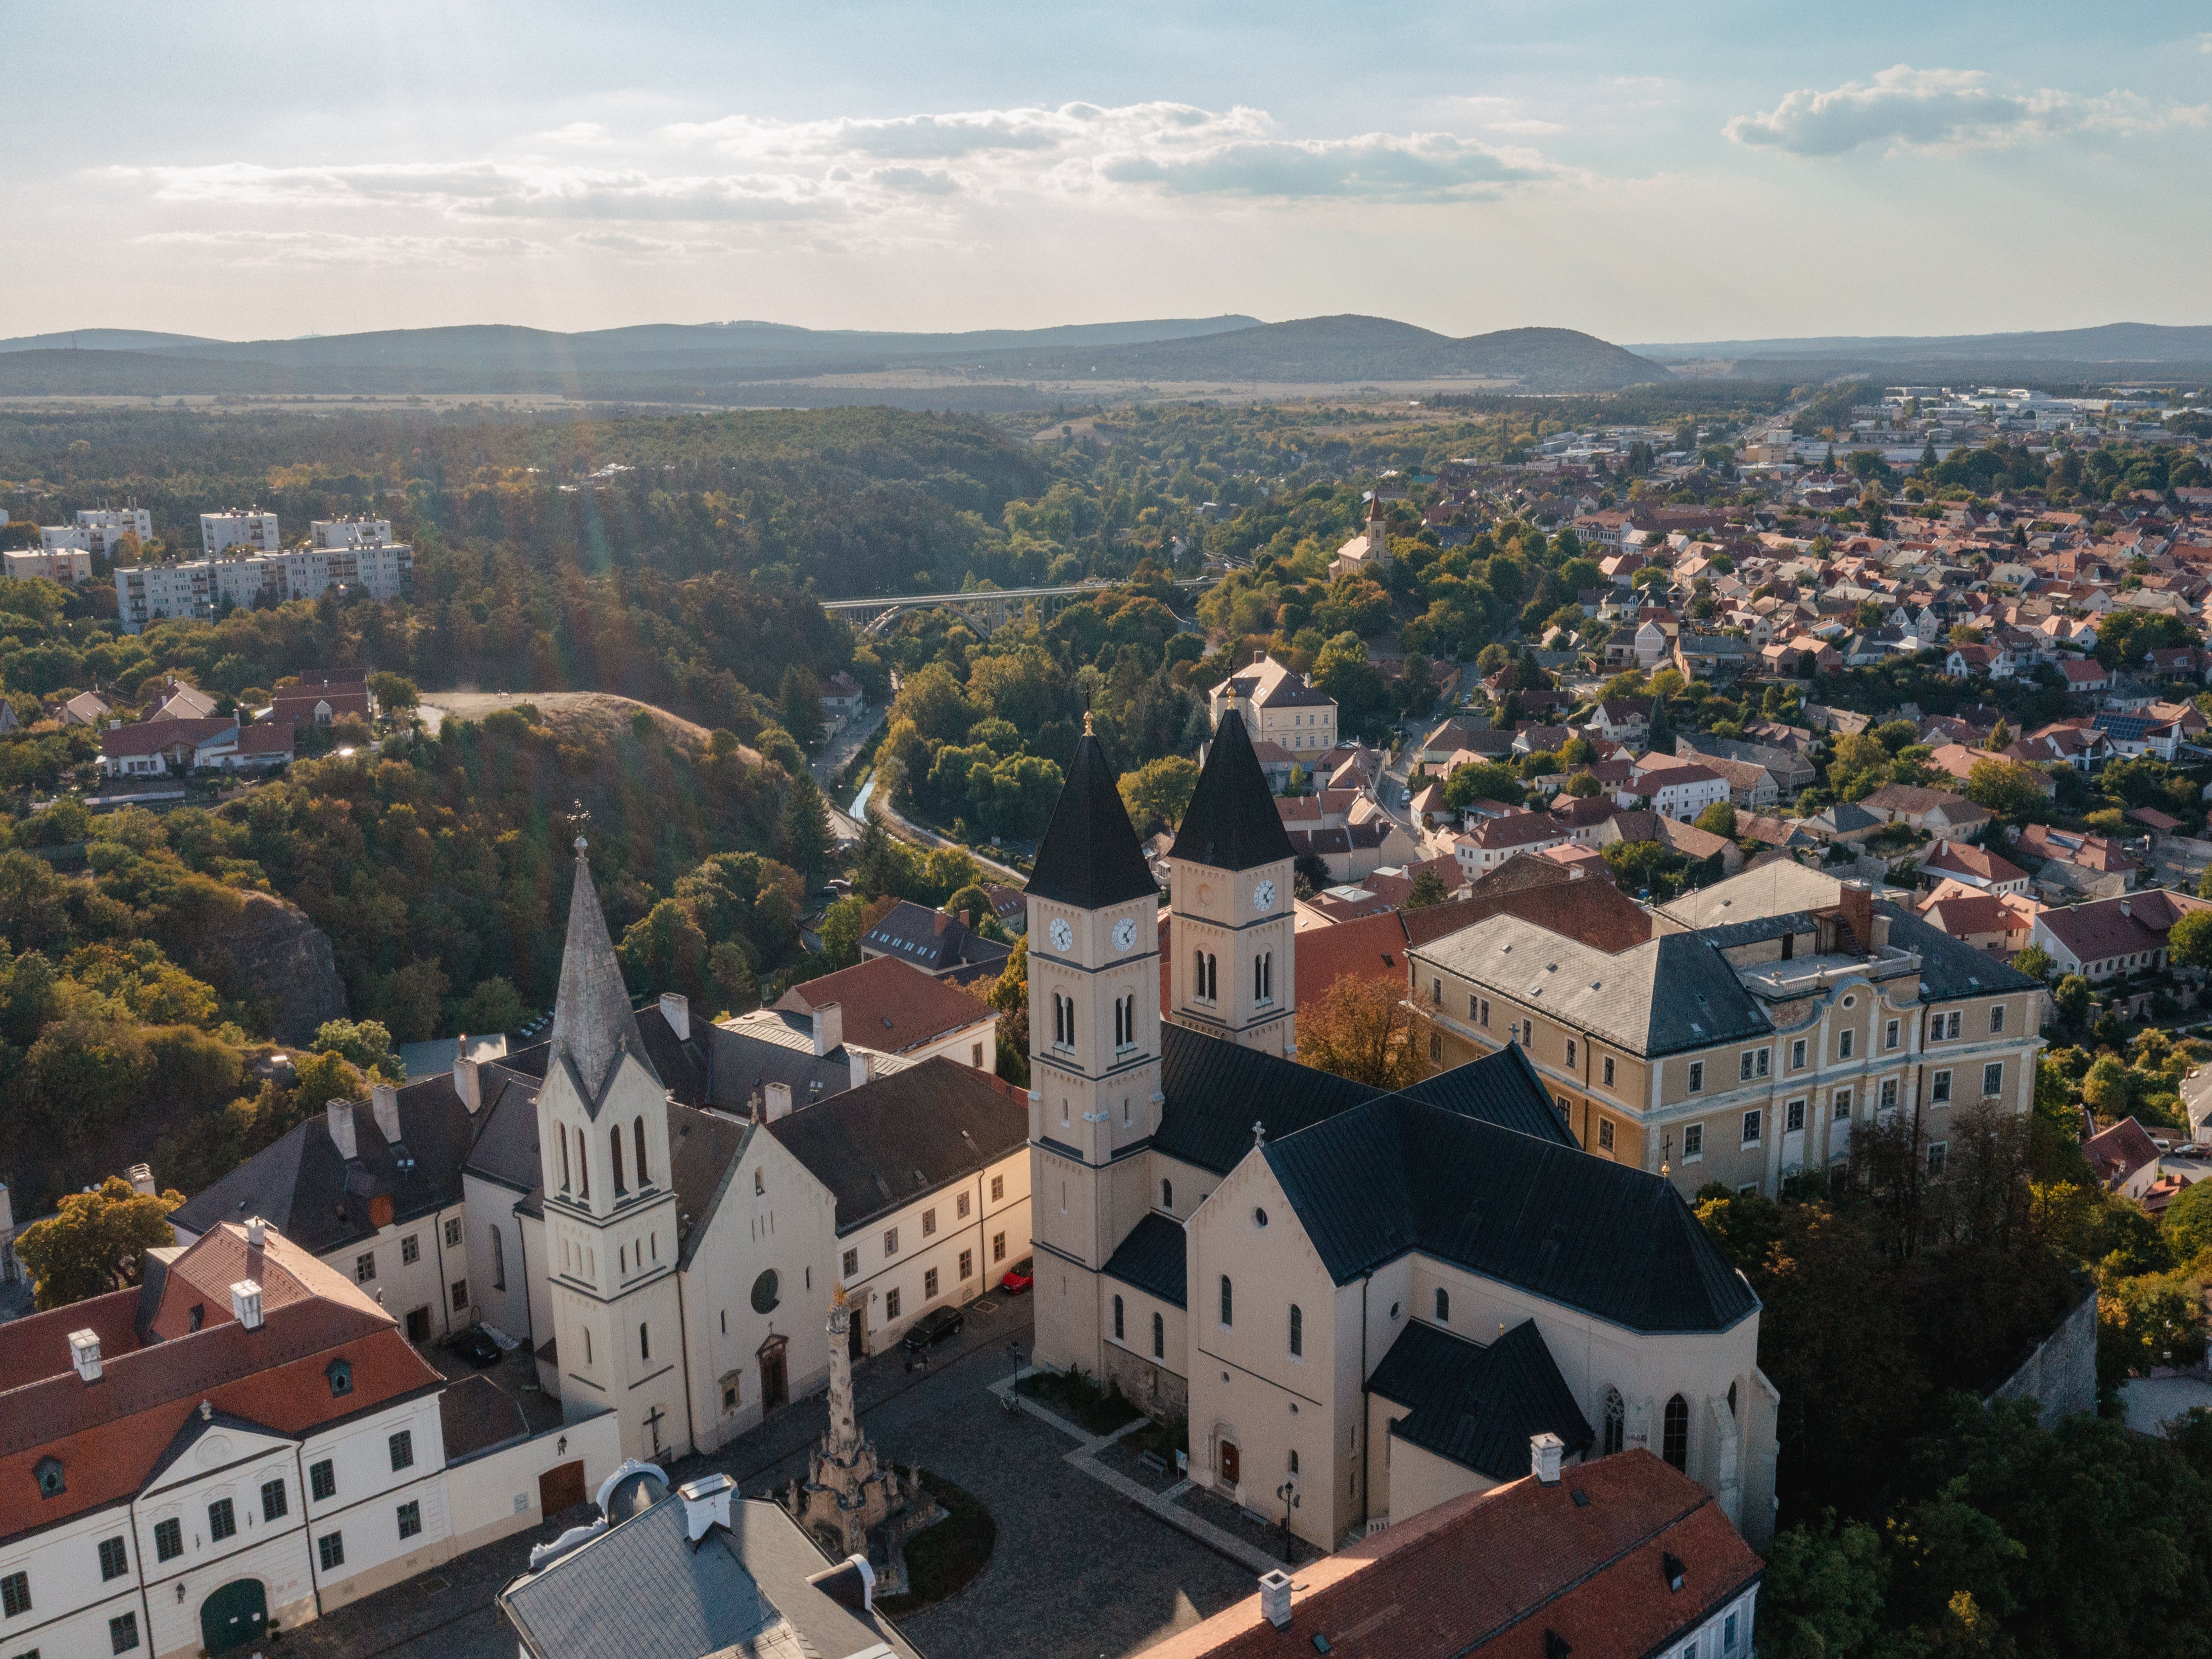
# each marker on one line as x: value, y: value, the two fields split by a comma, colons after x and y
x: 1063, y: 936
x: 1263, y: 896
x: 1125, y: 933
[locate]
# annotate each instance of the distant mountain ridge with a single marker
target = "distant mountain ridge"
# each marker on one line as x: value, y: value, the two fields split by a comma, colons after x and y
x: 719, y: 361
x: 2110, y: 349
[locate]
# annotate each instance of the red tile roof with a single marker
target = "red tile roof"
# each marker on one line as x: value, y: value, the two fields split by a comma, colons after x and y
x: 890, y: 1004
x: 1495, y: 1572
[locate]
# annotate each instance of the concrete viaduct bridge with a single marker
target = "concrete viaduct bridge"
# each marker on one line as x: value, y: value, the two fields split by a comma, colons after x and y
x: 986, y: 611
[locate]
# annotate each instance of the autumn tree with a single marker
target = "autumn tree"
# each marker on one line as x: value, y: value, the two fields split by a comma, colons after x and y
x: 97, y: 1242
x: 1361, y: 1029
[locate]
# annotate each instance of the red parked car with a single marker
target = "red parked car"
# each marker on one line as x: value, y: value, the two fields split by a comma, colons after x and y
x: 1019, y: 1277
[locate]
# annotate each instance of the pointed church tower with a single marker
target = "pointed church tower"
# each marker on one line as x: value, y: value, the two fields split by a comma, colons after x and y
x: 1094, y: 1048
x: 611, y: 1227
x: 1231, y: 934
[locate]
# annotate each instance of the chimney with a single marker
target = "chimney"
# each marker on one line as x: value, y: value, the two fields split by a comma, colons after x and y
x: 829, y: 1028
x: 676, y: 1009
x: 1275, y: 1597
x: 340, y: 1113
x: 779, y: 1101
x: 1259, y: 657
x: 84, y: 1354
x: 1856, y: 902
x: 2126, y: 906
x: 705, y: 1504
x: 856, y: 1062
x: 850, y: 1584
x: 256, y: 1233
x: 142, y: 1179
x: 384, y: 1101
x: 245, y: 1304
x: 467, y: 1083
x: 1544, y: 1450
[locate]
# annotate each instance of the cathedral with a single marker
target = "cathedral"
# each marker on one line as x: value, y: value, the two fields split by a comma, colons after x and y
x: 1361, y: 1302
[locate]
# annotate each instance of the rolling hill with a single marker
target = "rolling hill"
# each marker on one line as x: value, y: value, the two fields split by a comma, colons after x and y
x: 2110, y: 351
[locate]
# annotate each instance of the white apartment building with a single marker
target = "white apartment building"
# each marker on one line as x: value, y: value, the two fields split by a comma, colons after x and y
x: 198, y: 587
x: 220, y: 532
x: 102, y: 527
x: 350, y: 532
x: 66, y: 565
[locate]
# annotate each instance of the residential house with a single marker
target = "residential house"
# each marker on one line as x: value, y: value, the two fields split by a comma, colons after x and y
x: 86, y: 709
x: 1674, y: 787
x: 161, y: 747
x: 1845, y: 822
x: 1278, y: 706
x: 1621, y: 719
x: 1935, y: 811
x: 2107, y: 938
x: 1947, y: 861
x: 2084, y: 857
x: 842, y: 696
x: 2123, y: 1159
x: 2002, y: 923
x: 888, y: 1003
x: 1493, y: 841
x: 941, y: 944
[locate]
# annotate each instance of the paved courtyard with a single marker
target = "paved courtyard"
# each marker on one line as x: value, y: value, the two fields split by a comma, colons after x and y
x: 1080, y: 1572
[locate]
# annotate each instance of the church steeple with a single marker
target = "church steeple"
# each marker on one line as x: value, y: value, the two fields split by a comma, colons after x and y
x: 1090, y: 857
x: 592, y: 1016
x: 1232, y: 822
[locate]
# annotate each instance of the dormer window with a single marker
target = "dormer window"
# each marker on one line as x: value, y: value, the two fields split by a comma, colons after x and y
x: 340, y: 1373
x: 49, y: 1473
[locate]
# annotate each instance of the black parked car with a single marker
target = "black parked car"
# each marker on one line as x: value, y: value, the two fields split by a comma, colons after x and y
x: 931, y: 1329
x: 477, y: 1348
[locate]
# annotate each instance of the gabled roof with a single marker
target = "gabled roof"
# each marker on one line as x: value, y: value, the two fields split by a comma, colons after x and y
x: 1152, y: 1259
x: 592, y: 1017
x: 1479, y: 1404
x: 1216, y: 1089
x: 1394, y: 1176
x: 889, y: 1004
x: 1090, y: 857
x: 1232, y: 822
x: 1501, y: 1088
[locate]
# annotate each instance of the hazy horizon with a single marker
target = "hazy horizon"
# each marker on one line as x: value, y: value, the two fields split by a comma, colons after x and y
x: 1644, y: 177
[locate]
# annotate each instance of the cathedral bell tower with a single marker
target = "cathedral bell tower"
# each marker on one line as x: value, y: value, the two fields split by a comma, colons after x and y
x: 1094, y: 1099
x: 1232, y: 941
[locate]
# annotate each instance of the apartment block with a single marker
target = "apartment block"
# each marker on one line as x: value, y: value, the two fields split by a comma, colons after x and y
x: 198, y: 587
x: 252, y: 528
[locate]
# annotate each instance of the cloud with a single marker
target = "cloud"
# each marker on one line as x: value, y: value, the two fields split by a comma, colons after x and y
x: 1942, y: 109
x: 272, y: 247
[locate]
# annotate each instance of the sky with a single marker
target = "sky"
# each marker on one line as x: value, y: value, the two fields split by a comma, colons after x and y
x: 1648, y: 174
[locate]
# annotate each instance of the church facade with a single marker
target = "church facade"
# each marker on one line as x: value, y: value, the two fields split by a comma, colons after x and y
x: 1362, y: 1303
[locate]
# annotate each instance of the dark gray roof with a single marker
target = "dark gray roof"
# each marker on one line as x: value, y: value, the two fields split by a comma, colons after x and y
x: 706, y: 1148
x: 1151, y: 1258
x: 1501, y: 1088
x: 1215, y: 1090
x: 1394, y: 1176
x: 746, y: 1061
x: 1478, y: 1405
x: 742, y: 1594
x: 507, y: 1141
x: 885, y: 1144
x: 1089, y: 857
x: 933, y: 940
x: 680, y: 1066
x: 590, y: 1010
x: 304, y: 1189
x: 1232, y: 822
x: 1950, y: 967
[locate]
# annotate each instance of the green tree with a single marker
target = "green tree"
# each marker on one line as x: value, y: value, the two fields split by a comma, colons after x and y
x: 1428, y: 889
x: 367, y: 1045
x: 806, y: 841
x: 2071, y: 999
x: 392, y: 692
x: 2188, y: 1222
x: 664, y: 950
x: 1157, y: 792
x: 736, y: 980
x: 493, y: 1005
x: 799, y: 699
x: 2033, y: 959
x: 842, y: 925
x: 1482, y: 780
x: 1827, y: 1591
x: 2190, y: 940
x: 1343, y: 671
x: 2007, y: 788
x: 1719, y: 819
x: 96, y: 1243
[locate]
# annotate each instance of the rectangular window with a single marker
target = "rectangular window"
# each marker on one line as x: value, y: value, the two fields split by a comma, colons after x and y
x: 122, y: 1633
x: 1939, y: 1090
x: 411, y: 1250
x: 1793, y: 1116
x: 1751, y: 1128
x: 967, y: 1264
x: 454, y: 1233
x: 1846, y: 1041
x: 323, y: 1480
x: 410, y: 1518
x: 223, y: 1521
x: 1889, y: 1035
x: 890, y: 1305
x: 1839, y: 1109
x: 114, y: 1559
x: 274, y: 1504
x: 402, y: 1446
x: 1935, y: 1154
x: 929, y: 1223
x: 929, y: 1285
x: 1693, y: 1142
x: 1570, y: 1054
x: 1485, y: 1012
x: 1608, y: 1071
x: 1953, y: 1030
x: 169, y: 1539
x: 851, y: 1263
x: 998, y: 1187
x: 1797, y: 1055
x: 1993, y: 1078
x: 1697, y: 1076
x: 15, y: 1595
x: 890, y: 1241
x: 1727, y: 1633
x: 1474, y: 1007
x: 1605, y: 1134
x: 962, y: 1206
x: 1889, y: 1094
x: 460, y: 1294
x: 1996, y: 1018
x: 997, y: 1247
x: 330, y: 1550
x: 364, y: 1267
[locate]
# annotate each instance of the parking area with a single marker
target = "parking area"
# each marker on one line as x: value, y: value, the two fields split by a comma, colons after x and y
x: 515, y: 1375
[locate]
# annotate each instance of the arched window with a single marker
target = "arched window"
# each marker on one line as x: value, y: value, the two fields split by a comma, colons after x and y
x: 1444, y: 1306
x: 564, y: 1159
x: 1297, y: 1331
x: 1674, y: 1441
x: 615, y: 1138
x: 1228, y: 1307
x: 1212, y: 980
x: 1167, y: 1195
x: 1616, y: 1422
x: 498, y: 1258
x: 637, y: 1133
x: 1263, y: 977
x: 1197, y: 976
x: 1118, y: 1332
x: 583, y: 1168
x: 1159, y: 1337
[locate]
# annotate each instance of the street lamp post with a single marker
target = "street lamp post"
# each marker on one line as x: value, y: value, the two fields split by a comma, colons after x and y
x: 1014, y: 1383
x: 1287, y: 1494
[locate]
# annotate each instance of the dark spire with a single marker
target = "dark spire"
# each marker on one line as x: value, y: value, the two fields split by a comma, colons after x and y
x: 592, y: 1017
x: 1090, y: 857
x: 1232, y: 823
